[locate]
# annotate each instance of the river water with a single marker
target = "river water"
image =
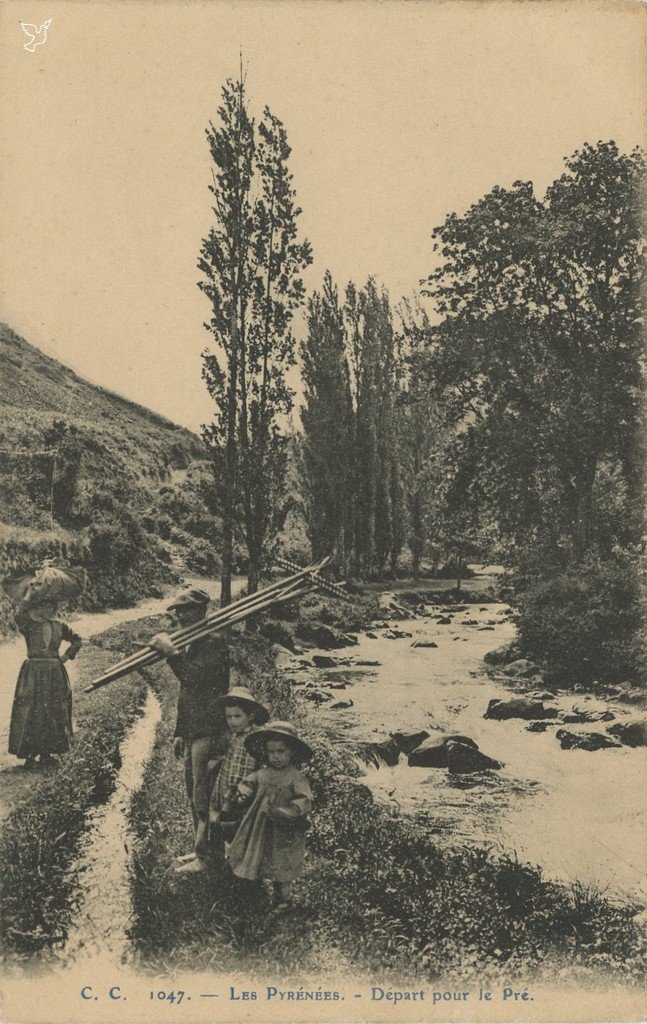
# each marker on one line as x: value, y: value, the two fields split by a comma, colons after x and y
x: 581, y: 815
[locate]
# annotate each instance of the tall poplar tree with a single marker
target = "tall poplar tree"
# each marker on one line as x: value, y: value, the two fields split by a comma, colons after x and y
x: 252, y: 262
x: 327, y: 418
x: 223, y: 261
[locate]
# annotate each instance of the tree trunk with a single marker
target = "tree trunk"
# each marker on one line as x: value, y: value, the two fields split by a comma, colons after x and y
x: 230, y: 473
x: 415, y: 561
x: 582, y: 533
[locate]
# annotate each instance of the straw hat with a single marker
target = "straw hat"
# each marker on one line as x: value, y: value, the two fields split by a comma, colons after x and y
x: 256, y: 741
x: 244, y: 698
x: 193, y: 596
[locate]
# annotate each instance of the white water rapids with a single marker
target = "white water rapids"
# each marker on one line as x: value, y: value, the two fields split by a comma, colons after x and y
x: 581, y: 815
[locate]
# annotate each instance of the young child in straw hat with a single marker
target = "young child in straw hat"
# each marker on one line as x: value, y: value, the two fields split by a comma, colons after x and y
x: 270, y: 842
x: 233, y: 762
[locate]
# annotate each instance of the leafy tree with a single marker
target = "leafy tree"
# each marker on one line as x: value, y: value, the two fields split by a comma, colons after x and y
x: 327, y: 418
x: 224, y: 263
x: 252, y: 262
x: 538, y: 353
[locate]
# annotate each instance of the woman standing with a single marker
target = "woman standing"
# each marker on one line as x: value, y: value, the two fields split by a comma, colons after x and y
x: 41, y: 716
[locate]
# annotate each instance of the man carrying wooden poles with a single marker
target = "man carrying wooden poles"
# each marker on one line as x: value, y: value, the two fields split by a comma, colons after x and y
x: 203, y: 672
x: 200, y: 661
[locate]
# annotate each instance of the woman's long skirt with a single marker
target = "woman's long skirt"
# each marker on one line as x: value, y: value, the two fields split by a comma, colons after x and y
x: 41, y: 717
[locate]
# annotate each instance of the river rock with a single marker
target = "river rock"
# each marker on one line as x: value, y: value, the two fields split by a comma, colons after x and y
x: 520, y: 667
x: 501, y: 655
x: 631, y: 695
x: 277, y: 633
x: 432, y: 752
x: 282, y: 657
x: 584, y: 740
x: 325, y: 661
x: 632, y: 734
x: 581, y: 715
x: 316, y: 696
x: 424, y: 643
x: 408, y: 741
x: 463, y: 758
x: 539, y: 695
x: 325, y: 637
x: 380, y: 751
x: 539, y: 726
x: 518, y: 707
x: 372, y: 636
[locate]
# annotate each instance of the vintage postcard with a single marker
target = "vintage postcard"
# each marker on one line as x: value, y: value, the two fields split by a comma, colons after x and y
x: 324, y: 646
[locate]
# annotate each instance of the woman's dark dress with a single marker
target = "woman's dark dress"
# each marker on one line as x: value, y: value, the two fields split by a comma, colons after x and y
x: 41, y: 717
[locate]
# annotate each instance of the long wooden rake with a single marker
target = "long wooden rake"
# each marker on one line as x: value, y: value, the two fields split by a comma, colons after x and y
x: 302, y: 581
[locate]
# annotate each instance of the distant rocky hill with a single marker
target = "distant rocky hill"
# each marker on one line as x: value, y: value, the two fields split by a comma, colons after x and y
x: 87, y: 473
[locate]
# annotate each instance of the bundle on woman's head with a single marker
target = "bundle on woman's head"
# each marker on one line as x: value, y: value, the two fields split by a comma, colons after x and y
x: 53, y: 581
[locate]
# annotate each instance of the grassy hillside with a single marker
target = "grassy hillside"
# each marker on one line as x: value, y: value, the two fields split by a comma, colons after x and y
x: 88, y: 474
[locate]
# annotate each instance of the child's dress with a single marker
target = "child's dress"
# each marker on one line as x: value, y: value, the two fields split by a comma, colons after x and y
x: 268, y: 848
x: 41, y: 716
x: 236, y: 763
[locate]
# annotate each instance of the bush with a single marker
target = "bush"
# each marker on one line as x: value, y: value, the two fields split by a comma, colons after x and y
x: 586, y: 622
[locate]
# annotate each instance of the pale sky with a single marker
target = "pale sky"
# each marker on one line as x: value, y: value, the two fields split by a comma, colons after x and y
x: 397, y: 113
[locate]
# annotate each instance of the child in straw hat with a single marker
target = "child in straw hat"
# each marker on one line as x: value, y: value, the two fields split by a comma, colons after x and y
x: 270, y: 843
x: 231, y: 758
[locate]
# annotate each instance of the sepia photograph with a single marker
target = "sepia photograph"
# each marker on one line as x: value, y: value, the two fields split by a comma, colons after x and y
x: 323, y: 497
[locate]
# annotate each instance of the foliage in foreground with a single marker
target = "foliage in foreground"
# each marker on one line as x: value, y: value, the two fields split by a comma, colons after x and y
x: 42, y: 835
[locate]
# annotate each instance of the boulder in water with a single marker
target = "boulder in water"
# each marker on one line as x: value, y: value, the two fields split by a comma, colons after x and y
x: 520, y: 667
x: 518, y: 707
x: 282, y: 657
x: 463, y: 758
x: 325, y: 661
x: 326, y: 637
x: 380, y: 751
x: 277, y: 633
x: 632, y: 734
x: 316, y: 696
x: 432, y: 752
x: 539, y: 726
x: 579, y: 715
x: 408, y: 741
x: 501, y: 655
x: 584, y: 740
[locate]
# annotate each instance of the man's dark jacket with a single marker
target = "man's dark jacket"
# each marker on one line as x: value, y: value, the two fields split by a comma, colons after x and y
x: 203, y: 671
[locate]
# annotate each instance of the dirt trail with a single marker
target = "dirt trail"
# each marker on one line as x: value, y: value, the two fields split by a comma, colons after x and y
x: 14, y: 780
